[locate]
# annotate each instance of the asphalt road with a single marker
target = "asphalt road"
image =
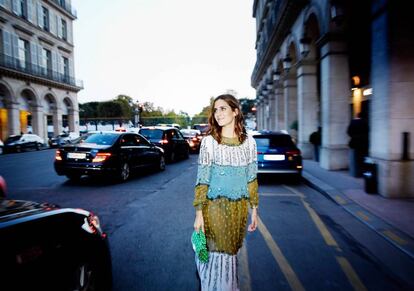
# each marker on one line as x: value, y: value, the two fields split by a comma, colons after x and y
x: 304, y: 241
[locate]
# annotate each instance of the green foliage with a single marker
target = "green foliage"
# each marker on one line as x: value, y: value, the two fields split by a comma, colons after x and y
x: 110, y: 109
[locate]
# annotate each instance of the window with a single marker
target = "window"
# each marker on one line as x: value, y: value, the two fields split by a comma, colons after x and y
x: 23, y: 8
x: 65, y: 69
x: 64, y: 30
x: 45, y: 18
x: 23, y: 52
x: 46, y: 63
x: 62, y: 3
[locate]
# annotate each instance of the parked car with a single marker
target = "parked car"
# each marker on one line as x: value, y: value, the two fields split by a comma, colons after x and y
x: 176, y: 125
x: 202, y: 127
x: 170, y: 139
x: 45, y: 247
x: 193, y: 137
x: 17, y: 143
x: 277, y: 153
x: 62, y: 139
x: 3, y: 187
x: 1, y: 147
x: 114, y: 154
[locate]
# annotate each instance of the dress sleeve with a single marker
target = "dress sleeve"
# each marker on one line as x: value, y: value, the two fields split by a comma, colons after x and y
x: 252, y: 184
x: 203, y: 175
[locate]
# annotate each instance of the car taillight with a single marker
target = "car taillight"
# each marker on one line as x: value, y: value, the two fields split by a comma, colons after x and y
x: 58, y: 155
x: 293, y: 153
x: 100, y: 157
x: 164, y: 141
x: 194, y: 139
x: 259, y: 153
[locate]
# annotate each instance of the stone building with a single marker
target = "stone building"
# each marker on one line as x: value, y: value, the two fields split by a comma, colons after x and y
x: 38, y: 89
x: 324, y: 62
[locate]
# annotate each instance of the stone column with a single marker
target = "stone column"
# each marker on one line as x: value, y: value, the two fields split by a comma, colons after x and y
x: 290, y: 105
x: 57, y: 121
x: 272, y: 112
x: 335, y: 92
x: 14, y: 119
x: 392, y: 102
x: 307, y: 106
x: 281, y: 109
x: 38, y: 122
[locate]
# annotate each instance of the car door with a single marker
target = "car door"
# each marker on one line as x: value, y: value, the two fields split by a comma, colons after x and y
x: 147, y: 151
x: 129, y: 149
x: 180, y: 142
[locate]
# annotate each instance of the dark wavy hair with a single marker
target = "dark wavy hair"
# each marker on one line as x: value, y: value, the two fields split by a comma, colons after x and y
x: 215, y: 128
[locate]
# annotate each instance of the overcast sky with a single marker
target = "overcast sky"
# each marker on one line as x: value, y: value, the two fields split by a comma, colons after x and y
x: 174, y: 53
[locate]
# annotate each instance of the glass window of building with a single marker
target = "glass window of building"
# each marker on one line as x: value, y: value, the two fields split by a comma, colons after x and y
x: 23, y: 8
x: 45, y: 18
x: 23, y: 52
x: 65, y: 69
x: 46, y: 62
x: 64, y: 30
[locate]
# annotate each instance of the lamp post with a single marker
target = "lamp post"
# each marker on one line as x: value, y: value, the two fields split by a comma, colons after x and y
x: 136, y: 114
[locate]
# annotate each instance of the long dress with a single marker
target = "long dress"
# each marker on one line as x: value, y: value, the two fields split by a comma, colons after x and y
x: 226, y: 185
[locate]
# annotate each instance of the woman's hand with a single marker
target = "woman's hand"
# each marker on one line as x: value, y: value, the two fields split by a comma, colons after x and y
x: 254, y: 220
x: 199, y: 221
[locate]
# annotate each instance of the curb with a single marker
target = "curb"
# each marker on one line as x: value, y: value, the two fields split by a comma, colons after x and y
x: 397, y: 238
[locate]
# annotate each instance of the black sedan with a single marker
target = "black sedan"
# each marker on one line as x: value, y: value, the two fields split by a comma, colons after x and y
x: 277, y: 154
x: 44, y: 247
x: 17, y: 143
x: 113, y: 154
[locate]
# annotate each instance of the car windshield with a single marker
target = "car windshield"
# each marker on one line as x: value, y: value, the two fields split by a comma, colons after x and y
x: 274, y: 141
x: 102, y: 138
x: 13, y: 139
x: 151, y: 133
x: 188, y: 133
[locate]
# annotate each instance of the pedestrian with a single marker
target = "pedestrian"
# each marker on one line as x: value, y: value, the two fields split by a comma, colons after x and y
x: 358, y: 132
x: 316, y: 139
x: 226, y: 185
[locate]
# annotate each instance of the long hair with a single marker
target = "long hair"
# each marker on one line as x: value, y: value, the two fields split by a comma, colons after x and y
x: 215, y: 128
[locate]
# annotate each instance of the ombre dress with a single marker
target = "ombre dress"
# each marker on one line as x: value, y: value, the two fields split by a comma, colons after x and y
x: 226, y: 185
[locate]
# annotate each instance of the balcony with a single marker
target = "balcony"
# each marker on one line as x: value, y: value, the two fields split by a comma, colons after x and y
x: 66, y: 6
x: 15, y: 64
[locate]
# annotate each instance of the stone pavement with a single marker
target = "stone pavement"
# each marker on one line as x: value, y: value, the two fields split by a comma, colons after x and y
x: 393, y: 219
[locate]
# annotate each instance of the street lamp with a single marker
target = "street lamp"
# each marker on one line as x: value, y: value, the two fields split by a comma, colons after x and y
x: 276, y: 75
x: 287, y: 63
x: 305, y: 45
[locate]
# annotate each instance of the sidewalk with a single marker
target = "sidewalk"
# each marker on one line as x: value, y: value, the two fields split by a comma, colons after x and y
x: 393, y: 219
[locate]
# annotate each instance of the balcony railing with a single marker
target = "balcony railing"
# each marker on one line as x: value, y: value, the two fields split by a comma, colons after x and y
x: 38, y: 71
x: 67, y: 6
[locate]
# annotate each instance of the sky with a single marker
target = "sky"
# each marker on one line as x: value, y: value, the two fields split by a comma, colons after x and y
x: 174, y: 53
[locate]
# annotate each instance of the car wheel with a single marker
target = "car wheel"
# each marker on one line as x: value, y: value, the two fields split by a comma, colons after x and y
x: 37, y: 146
x: 187, y: 154
x: 161, y: 165
x: 124, y: 172
x: 18, y: 149
x: 1, y: 150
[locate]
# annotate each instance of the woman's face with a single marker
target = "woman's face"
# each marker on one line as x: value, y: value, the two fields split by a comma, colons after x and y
x: 223, y: 113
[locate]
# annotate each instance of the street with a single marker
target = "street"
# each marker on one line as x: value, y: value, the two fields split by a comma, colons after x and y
x: 304, y: 241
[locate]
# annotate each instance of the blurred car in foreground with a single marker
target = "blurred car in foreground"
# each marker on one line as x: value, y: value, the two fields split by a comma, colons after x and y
x: 114, y: 154
x: 3, y: 187
x: 17, y: 143
x: 193, y: 137
x: 44, y: 247
x: 170, y: 139
x: 1, y: 147
x: 277, y: 153
x: 63, y: 139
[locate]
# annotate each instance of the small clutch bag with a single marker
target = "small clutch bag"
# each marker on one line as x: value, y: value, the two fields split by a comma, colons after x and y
x: 198, y: 239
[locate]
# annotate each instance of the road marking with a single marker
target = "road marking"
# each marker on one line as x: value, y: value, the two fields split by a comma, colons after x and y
x: 287, y: 270
x: 362, y: 215
x: 351, y: 274
x: 245, y: 279
x: 394, y: 237
x: 330, y: 241
x: 278, y: 194
x: 340, y: 200
x: 342, y: 261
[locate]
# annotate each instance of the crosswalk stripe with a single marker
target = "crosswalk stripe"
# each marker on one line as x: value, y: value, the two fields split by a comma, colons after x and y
x: 284, y: 265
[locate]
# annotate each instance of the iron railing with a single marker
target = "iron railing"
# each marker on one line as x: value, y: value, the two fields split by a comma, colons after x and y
x: 38, y: 71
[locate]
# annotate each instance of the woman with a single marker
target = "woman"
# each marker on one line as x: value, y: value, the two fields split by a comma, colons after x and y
x: 226, y: 184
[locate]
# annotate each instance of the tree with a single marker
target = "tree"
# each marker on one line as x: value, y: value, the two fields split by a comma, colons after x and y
x: 127, y: 105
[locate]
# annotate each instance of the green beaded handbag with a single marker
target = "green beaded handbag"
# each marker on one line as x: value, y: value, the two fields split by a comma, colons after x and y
x: 198, y: 239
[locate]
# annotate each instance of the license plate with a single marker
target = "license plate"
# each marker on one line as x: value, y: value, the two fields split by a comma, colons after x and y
x: 76, y: 156
x: 274, y: 157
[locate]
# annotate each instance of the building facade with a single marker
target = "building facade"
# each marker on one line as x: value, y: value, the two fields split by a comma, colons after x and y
x: 38, y: 89
x: 322, y: 63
